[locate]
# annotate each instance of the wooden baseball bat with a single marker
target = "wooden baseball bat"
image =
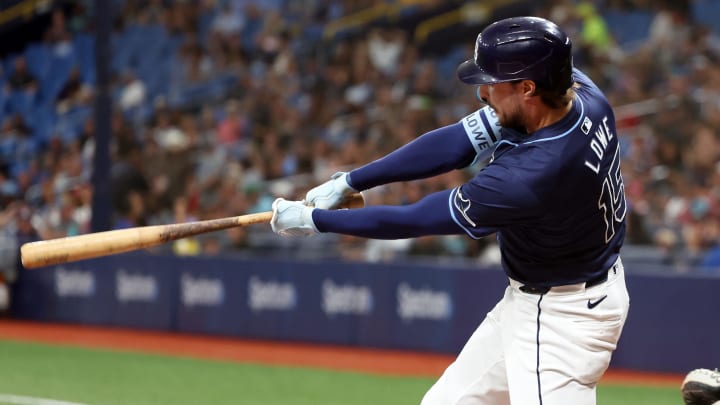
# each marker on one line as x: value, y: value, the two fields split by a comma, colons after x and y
x: 87, y: 246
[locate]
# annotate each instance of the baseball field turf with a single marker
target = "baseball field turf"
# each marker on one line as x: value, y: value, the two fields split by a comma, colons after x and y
x: 42, y: 374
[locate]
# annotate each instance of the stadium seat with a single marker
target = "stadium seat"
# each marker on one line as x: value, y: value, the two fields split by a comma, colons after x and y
x: 707, y: 13
x: 121, y: 52
x: 43, y: 124
x: 629, y: 28
x: 448, y: 63
x: 85, y: 51
x: 205, y: 25
x: 69, y: 125
x: 38, y: 57
x: 21, y: 102
x: 7, y: 63
x: 3, y: 103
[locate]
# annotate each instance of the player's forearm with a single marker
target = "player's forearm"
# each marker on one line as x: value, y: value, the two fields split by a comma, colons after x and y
x: 433, y: 153
x: 429, y: 216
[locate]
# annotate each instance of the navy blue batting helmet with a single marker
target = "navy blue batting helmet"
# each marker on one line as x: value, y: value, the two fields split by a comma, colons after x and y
x: 521, y: 48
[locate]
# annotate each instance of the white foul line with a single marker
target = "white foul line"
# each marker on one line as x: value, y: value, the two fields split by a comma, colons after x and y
x: 20, y: 400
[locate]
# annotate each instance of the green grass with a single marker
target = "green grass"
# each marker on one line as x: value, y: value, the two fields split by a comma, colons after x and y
x: 102, y: 377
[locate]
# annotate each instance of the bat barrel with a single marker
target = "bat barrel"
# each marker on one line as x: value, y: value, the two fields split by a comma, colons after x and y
x: 62, y: 250
x: 73, y: 248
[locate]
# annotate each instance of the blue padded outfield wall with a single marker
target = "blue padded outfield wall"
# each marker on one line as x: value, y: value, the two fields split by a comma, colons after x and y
x: 673, y: 324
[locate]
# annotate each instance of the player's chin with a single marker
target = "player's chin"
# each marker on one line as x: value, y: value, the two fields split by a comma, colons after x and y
x: 514, y: 121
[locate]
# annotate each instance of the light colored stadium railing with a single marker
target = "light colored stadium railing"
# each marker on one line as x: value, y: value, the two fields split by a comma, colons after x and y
x: 24, y: 9
x: 364, y: 17
x: 474, y: 12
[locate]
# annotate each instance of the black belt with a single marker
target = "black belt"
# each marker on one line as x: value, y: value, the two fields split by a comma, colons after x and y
x: 530, y: 289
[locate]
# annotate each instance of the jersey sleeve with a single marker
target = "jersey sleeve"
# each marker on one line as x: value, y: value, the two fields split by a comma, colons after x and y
x: 439, y: 151
x: 428, y: 216
x: 493, y: 199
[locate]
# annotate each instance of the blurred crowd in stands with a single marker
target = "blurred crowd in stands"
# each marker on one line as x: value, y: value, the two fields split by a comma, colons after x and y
x: 222, y: 105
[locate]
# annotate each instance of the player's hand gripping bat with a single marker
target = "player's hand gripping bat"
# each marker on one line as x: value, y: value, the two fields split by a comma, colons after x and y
x: 87, y: 246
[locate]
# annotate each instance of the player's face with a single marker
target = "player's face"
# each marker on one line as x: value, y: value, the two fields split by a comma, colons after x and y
x: 505, y: 99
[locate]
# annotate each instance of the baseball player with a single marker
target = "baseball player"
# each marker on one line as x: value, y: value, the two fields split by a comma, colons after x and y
x: 553, y: 195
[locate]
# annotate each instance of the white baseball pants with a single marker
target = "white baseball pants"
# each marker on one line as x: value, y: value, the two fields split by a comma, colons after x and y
x: 539, y: 349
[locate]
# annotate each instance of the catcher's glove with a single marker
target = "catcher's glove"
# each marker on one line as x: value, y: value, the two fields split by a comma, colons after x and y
x: 701, y: 387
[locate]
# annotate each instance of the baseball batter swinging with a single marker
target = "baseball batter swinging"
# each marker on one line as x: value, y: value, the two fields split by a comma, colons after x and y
x: 552, y: 193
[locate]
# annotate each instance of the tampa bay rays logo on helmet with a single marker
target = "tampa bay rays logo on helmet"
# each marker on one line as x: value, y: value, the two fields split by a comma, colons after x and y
x: 463, y: 205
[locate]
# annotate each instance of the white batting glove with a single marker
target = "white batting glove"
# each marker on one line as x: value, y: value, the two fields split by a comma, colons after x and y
x: 330, y: 194
x: 292, y: 218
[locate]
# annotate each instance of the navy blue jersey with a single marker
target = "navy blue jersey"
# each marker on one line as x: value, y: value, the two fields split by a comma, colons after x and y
x: 554, y: 197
